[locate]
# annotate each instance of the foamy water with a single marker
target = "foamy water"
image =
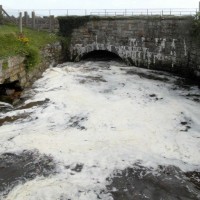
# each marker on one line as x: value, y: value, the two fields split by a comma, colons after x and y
x: 104, y: 119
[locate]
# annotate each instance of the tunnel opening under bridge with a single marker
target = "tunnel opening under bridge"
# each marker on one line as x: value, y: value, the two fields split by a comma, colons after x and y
x: 101, y: 55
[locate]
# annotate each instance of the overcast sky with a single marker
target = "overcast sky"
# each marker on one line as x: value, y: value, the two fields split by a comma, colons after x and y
x: 89, y: 4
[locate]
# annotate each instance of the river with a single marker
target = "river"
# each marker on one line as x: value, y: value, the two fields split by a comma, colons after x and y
x: 102, y: 130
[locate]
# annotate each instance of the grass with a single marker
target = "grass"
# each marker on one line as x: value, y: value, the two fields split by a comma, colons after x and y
x: 27, y: 44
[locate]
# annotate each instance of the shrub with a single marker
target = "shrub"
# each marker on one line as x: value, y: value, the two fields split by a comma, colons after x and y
x: 23, y: 39
x: 32, y: 57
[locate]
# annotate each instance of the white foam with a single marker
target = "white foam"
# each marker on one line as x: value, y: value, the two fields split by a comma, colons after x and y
x: 123, y: 125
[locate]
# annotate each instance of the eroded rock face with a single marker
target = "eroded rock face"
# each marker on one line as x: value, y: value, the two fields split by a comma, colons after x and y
x: 19, y: 168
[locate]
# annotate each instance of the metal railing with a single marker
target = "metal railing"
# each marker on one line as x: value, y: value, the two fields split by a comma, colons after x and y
x: 108, y: 12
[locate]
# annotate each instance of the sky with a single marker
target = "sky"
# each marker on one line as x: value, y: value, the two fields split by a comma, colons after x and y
x: 94, y: 4
x: 53, y: 7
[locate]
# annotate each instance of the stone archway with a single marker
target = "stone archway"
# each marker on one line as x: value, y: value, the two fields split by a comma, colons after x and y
x: 101, y: 55
x: 79, y: 50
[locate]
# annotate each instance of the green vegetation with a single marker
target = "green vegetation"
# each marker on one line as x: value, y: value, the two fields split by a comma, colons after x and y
x: 67, y: 25
x: 5, y: 65
x: 27, y: 44
x: 196, y: 26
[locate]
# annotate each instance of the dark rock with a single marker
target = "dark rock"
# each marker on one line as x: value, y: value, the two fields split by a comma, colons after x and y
x: 18, y: 168
x: 78, y: 168
x: 167, y: 183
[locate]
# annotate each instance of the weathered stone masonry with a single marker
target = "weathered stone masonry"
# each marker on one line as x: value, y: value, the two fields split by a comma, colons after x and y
x: 13, y: 68
x: 150, y: 42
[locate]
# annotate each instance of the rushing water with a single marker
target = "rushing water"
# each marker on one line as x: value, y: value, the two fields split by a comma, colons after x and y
x: 102, y: 130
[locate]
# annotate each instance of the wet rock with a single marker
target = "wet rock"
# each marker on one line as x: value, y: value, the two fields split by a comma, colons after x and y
x: 78, y: 168
x: 88, y: 79
x: 32, y: 104
x: 75, y: 122
x: 186, y: 125
x: 5, y: 107
x: 11, y: 119
x: 196, y: 100
x: 167, y: 183
x: 194, y: 178
x: 6, y: 99
x: 147, y: 76
x: 193, y: 97
x: 154, y: 96
x: 185, y: 83
x: 19, y: 168
x: 10, y: 91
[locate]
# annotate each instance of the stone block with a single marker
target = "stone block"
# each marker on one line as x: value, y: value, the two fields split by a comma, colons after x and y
x: 14, y: 78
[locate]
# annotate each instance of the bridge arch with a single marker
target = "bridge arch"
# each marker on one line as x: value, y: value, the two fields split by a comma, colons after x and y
x: 156, y: 43
x: 79, y: 51
x: 101, y: 55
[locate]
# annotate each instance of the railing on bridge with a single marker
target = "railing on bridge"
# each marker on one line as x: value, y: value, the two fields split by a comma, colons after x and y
x: 107, y: 12
x: 137, y: 12
x: 43, y: 19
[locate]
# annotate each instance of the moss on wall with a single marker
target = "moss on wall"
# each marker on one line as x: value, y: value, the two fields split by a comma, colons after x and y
x: 196, y: 27
x: 69, y: 23
x: 5, y: 65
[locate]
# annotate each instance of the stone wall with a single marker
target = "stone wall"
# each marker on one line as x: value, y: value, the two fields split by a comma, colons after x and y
x: 13, y: 68
x: 163, y: 43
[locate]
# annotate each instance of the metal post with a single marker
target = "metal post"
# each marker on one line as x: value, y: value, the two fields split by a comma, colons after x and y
x: 85, y: 12
x: 147, y: 12
x: 162, y: 12
x: 105, y: 12
x: 199, y: 6
x: 33, y: 20
x: 20, y: 22
x: 51, y: 23
x: 26, y: 18
x: 1, y: 10
x: 1, y: 14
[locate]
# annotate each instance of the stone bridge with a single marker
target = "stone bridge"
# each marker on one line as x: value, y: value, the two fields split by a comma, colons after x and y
x: 155, y: 42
